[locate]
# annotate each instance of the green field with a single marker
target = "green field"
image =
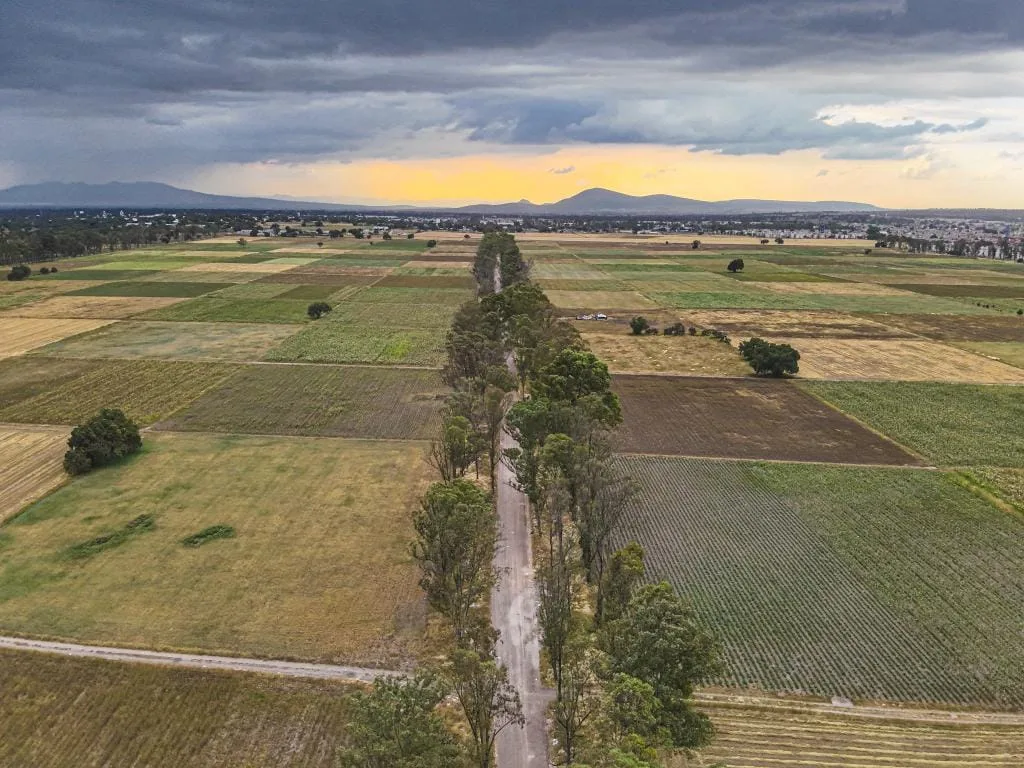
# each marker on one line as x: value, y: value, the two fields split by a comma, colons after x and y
x: 146, y: 390
x: 159, y: 289
x: 320, y: 400
x: 174, y: 341
x: 218, y: 310
x: 335, y: 342
x: 874, y: 584
x: 58, y: 712
x: 319, y: 568
x: 951, y: 424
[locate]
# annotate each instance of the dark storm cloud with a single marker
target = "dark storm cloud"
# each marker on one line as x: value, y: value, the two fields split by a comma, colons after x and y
x: 192, y: 80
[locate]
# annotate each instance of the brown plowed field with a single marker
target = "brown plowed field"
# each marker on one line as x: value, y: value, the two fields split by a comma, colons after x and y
x: 1007, y: 290
x: 959, y: 327
x: 741, y: 419
x: 30, y: 465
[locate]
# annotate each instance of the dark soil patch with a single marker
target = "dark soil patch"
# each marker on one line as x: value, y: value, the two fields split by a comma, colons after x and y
x: 959, y: 327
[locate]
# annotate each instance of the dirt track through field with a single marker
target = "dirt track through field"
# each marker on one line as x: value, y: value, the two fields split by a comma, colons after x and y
x: 197, y: 661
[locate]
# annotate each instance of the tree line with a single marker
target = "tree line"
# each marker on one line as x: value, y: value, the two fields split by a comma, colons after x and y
x: 623, y: 656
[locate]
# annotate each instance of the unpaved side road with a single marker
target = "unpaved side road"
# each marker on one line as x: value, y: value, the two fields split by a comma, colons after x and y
x: 514, y: 615
x: 199, y: 661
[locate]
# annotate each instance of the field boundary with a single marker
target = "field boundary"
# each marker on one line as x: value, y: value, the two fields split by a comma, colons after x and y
x: 200, y: 661
x: 735, y: 460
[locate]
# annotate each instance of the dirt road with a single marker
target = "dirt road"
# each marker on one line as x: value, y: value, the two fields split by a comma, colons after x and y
x: 514, y: 614
x: 198, y: 661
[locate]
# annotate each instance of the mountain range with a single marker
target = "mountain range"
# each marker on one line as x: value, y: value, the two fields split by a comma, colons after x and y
x: 153, y: 195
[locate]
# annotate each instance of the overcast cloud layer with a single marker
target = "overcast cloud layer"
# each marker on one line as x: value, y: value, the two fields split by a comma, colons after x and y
x: 115, y: 89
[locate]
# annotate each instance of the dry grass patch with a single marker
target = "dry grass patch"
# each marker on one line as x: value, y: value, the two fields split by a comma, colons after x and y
x: 428, y: 264
x: 319, y: 568
x: 837, y: 289
x: 94, y: 307
x: 898, y: 360
x: 267, y: 267
x: 31, y: 465
x: 598, y: 301
x: 19, y: 335
x: 743, y: 324
x: 689, y: 355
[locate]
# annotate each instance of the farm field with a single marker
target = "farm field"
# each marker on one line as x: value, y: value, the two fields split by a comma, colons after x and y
x: 25, y: 377
x: 146, y: 390
x: 762, y: 733
x: 318, y: 570
x: 951, y: 424
x: 333, y: 342
x: 30, y: 466
x: 1009, y: 352
x: 898, y: 360
x: 93, y: 307
x: 690, y: 355
x: 19, y: 335
x: 965, y: 328
x: 741, y: 420
x: 174, y: 341
x: 782, y: 324
x: 58, y: 712
x: 872, y: 584
x: 219, y: 310
x: 320, y: 400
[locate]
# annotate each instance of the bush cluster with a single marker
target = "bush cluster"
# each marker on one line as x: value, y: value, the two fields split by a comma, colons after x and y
x: 768, y: 359
x: 318, y: 309
x: 105, y: 438
x: 19, y: 272
x: 209, y: 534
x: 109, y: 540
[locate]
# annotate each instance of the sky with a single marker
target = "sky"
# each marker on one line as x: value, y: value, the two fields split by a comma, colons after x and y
x: 901, y: 103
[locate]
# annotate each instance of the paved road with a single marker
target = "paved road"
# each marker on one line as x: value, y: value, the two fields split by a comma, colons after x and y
x: 514, y: 614
x: 197, y: 661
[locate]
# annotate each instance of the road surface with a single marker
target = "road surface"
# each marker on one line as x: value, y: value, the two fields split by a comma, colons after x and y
x: 514, y: 615
x: 199, y: 661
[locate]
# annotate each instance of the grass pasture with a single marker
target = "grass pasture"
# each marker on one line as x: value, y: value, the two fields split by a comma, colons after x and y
x: 334, y: 342
x: 319, y: 401
x: 141, y: 339
x: 218, y: 310
x: 318, y: 570
x: 31, y: 465
x: 952, y: 424
x: 745, y: 324
x: 873, y: 584
x: 58, y: 712
x: 737, y: 419
x: 19, y: 335
x: 146, y: 390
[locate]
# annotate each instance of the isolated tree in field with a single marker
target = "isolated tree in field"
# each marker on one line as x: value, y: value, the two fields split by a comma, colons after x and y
x: 410, y: 235
x: 639, y: 325
x: 396, y: 725
x: 696, y: 245
x: 456, y: 528
x: 104, y: 439
x: 19, y: 272
x: 456, y: 449
x: 765, y: 241
x: 736, y: 265
x: 659, y: 641
x: 489, y: 702
x: 431, y: 243
x: 768, y: 359
x: 318, y: 309
x: 780, y: 241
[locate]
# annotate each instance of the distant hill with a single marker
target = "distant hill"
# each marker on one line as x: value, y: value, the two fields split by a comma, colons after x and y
x: 605, y: 201
x: 144, y: 194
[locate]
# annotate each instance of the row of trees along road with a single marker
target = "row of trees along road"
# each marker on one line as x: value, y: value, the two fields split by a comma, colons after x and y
x: 623, y: 657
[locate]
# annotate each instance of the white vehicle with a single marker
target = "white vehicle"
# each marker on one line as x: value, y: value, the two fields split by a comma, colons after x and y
x: 601, y: 316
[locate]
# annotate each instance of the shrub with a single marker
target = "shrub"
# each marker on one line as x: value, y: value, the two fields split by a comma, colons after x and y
x: 736, y: 265
x: 92, y: 547
x: 104, y: 439
x: 678, y: 329
x: 1020, y: 311
x: 431, y: 243
x: 209, y: 534
x: 652, y: 331
x: 318, y: 309
x: 639, y: 325
x: 769, y: 359
x: 715, y: 334
x: 53, y: 270
x: 19, y: 272
x: 44, y: 271
x: 410, y: 236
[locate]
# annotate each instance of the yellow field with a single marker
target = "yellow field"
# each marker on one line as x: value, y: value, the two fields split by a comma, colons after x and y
x: 225, y: 266
x: 682, y: 355
x: 93, y: 307
x: 19, y: 335
x: 439, y: 265
x: 30, y: 465
x: 775, y: 323
x: 835, y: 289
x: 1009, y: 352
x: 600, y: 301
x: 319, y: 568
x: 312, y: 249
x: 898, y: 360
x: 765, y: 733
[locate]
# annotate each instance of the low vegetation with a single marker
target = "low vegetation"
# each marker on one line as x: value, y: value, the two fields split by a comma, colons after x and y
x: 212, y: 533
x: 94, y: 546
x: 318, y: 309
